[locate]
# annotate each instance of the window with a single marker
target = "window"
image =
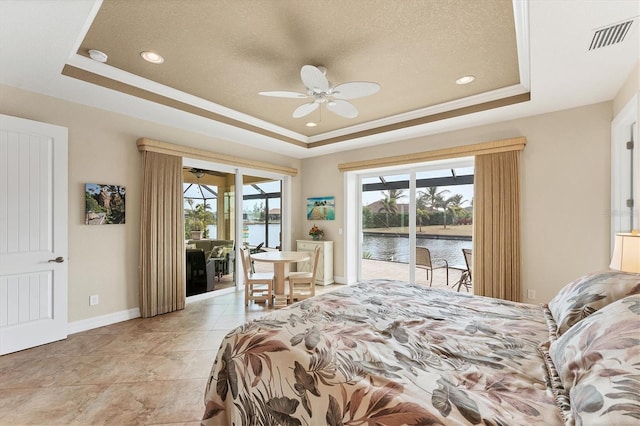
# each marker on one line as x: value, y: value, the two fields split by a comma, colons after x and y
x: 425, y: 205
x: 262, y: 210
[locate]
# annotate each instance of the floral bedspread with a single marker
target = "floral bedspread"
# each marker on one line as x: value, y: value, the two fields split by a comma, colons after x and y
x: 385, y: 353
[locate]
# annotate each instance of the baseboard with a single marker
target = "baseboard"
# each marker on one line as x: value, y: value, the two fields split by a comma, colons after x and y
x: 108, y: 319
x: 102, y: 320
x: 339, y: 280
x: 210, y: 294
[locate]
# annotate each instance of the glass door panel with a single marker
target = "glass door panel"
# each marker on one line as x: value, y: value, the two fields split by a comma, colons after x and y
x: 444, y: 221
x: 385, y: 227
x: 209, y: 230
x: 261, y: 211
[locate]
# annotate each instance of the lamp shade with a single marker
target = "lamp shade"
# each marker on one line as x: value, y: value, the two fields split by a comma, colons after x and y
x: 626, y: 252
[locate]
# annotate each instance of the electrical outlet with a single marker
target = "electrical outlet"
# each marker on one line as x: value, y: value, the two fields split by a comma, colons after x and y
x: 94, y: 300
x: 531, y: 294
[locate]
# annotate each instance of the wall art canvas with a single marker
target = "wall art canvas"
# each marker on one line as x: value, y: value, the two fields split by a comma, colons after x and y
x: 104, y: 204
x: 321, y: 208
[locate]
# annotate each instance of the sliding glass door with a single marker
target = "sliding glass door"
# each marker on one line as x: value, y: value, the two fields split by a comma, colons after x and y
x: 227, y: 208
x: 428, y: 206
x: 210, y: 228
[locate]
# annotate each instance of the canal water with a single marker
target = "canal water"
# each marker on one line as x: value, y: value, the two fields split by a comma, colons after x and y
x: 256, y: 234
x: 396, y: 248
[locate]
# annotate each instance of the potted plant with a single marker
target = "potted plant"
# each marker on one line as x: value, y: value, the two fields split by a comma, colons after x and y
x: 197, y: 219
x: 197, y: 229
x: 316, y: 233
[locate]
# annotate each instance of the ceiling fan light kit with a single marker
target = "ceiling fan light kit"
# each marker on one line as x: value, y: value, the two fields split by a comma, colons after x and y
x: 320, y: 89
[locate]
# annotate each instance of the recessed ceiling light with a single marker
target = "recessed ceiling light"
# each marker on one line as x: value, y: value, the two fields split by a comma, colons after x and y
x: 311, y: 124
x: 152, y: 57
x: 466, y: 79
x: 98, y: 56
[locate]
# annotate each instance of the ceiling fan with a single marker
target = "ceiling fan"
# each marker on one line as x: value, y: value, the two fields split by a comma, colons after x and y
x: 322, y: 92
x: 198, y: 173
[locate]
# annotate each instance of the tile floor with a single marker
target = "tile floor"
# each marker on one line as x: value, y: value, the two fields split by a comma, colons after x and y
x: 138, y: 372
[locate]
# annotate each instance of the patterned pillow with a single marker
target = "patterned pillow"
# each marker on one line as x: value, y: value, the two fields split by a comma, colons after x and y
x: 582, y: 297
x: 598, y: 362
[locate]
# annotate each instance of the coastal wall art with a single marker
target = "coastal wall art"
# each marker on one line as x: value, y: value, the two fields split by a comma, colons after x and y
x: 104, y: 204
x: 321, y: 208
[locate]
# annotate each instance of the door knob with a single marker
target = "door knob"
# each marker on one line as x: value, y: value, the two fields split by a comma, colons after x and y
x: 58, y: 259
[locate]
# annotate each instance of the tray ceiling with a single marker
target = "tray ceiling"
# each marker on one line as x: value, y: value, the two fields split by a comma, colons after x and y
x: 219, y: 55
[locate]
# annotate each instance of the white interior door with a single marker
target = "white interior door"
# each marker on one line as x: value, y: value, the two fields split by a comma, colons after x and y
x: 625, y: 162
x: 33, y: 233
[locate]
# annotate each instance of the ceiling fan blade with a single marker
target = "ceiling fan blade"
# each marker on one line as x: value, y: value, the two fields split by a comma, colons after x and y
x: 214, y: 173
x: 283, y: 94
x: 305, y: 109
x: 342, y: 108
x: 314, y: 79
x: 355, y: 89
x: 201, y: 172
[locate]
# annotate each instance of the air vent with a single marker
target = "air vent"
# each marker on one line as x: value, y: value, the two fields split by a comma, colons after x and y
x: 610, y: 35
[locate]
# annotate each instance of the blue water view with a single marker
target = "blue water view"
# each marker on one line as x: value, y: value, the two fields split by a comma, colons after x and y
x: 376, y: 247
x: 396, y: 248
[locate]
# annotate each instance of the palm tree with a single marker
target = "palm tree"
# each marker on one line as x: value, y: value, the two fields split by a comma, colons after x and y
x: 455, y: 205
x: 432, y: 197
x: 394, y: 194
x: 388, y: 206
x: 199, y: 217
x: 451, y: 205
x: 390, y: 203
x: 421, y: 214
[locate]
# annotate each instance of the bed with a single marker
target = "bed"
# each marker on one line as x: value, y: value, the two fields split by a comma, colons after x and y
x: 386, y: 352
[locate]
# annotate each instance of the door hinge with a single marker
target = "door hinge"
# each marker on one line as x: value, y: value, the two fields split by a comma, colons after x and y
x: 630, y: 145
x: 630, y: 202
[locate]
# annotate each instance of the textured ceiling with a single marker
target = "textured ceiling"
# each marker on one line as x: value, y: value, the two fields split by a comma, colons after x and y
x: 226, y: 52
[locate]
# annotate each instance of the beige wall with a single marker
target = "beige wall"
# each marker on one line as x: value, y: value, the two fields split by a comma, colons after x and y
x: 629, y: 88
x: 565, y: 190
x: 103, y: 260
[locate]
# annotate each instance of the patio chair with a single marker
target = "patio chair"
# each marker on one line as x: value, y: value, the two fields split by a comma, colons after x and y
x: 424, y: 261
x: 465, y: 278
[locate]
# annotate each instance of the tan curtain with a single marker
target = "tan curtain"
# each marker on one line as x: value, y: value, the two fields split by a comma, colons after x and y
x: 162, y: 258
x: 496, y: 235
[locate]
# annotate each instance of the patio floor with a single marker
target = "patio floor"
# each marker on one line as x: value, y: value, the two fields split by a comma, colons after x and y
x: 372, y: 269
x: 375, y: 269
